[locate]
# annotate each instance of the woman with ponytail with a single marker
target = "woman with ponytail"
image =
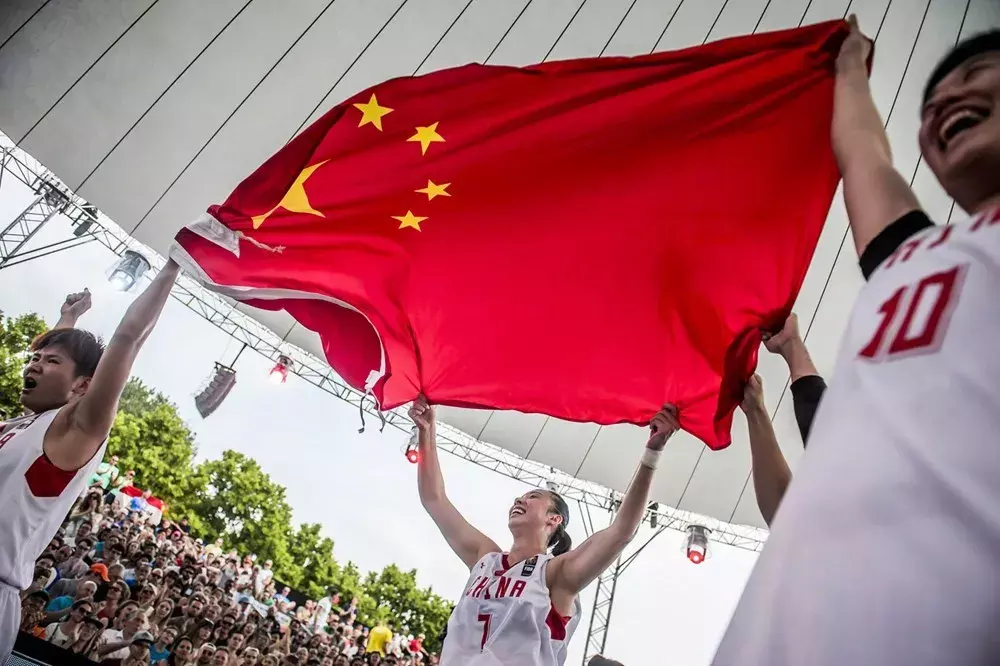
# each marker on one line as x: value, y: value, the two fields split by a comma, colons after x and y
x: 521, y: 606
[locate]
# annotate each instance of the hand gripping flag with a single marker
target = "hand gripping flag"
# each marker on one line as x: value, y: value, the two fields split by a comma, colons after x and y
x: 586, y: 239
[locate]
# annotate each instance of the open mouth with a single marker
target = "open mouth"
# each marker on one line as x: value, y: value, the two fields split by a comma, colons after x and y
x: 958, y: 120
x: 29, y: 383
x: 516, y: 511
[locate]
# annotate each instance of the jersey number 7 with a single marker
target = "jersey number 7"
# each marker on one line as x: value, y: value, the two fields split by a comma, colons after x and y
x: 485, y: 619
x: 915, y: 318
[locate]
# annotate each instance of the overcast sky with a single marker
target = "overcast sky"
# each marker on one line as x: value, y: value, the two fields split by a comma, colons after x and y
x: 360, y: 487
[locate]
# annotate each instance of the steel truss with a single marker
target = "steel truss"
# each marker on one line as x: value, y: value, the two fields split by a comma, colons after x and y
x: 90, y: 225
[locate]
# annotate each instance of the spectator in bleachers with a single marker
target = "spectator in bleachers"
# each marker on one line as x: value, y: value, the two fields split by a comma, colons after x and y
x: 125, y: 592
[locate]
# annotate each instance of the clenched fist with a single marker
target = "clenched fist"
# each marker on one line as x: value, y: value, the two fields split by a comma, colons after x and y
x: 76, y: 304
x: 663, y: 425
x: 422, y: 414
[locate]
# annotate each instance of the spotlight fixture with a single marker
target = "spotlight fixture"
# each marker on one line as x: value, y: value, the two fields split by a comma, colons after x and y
x: 128, y: 270
x: 413, y: 446
x: 279, y: 373
x: 697, y: 543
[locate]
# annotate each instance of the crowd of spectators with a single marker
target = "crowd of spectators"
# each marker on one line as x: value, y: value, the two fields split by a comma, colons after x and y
x: 120, y: 585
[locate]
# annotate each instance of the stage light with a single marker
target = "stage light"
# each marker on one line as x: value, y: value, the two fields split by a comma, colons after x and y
x: 552, y: 486
x: 653, y: 520
x: 279, y: 373
x: 413, y: 446
x: 215, y: 392
x: 128, y: 270
x: 697, y: 543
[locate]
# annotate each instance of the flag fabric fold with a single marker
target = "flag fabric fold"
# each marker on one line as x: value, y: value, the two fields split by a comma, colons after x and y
x: 587, y: 239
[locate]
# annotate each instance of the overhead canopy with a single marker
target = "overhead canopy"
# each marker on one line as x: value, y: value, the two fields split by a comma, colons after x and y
x: 155, y: 110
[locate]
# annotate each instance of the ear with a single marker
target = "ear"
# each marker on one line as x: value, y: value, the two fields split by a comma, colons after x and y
x: 80, y: 386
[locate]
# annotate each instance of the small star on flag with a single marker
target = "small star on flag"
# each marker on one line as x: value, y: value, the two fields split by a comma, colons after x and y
x: 372, y: 113
x: 409, y: 220
x: 434, y: 190
x: 426, y: 136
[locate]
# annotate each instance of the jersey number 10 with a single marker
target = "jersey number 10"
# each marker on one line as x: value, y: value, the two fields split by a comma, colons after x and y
x: 900, y: 334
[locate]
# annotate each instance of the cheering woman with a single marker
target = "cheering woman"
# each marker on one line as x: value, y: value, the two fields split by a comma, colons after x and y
x: 521, y: 606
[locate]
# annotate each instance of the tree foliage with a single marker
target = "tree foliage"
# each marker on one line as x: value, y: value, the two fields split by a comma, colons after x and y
x: 233, y: 498
x: 15, y: 336
x: 246, y: 508
x: 412, y: 610
x: 150, y: 437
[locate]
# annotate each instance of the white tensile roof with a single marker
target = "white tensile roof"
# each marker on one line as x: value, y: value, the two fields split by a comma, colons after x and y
x: 154, y: 110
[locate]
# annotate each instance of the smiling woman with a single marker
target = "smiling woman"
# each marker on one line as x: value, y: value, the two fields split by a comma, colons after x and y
x: 525, y: 601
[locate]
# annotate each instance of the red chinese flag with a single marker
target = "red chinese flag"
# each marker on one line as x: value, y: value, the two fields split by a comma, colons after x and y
x: 587, y: 239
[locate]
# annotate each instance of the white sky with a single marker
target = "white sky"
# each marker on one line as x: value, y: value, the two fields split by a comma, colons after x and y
x: 359, y: 487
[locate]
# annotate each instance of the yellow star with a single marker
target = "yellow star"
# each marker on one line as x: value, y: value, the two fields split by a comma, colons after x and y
x: 372, y: 113
x: 426, y: 136
x: 409, y: 220
x: 434, y: 190
x: 296, y: 200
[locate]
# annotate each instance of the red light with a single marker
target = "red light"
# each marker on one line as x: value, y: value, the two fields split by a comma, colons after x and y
x: 413, y: 455
x: 696, y: 557
x: 279, y: 373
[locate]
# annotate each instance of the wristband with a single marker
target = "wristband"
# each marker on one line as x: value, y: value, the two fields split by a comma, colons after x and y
x: 650, y: 458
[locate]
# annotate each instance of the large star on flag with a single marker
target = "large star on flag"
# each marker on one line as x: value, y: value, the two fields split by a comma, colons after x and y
x: 296, y: 200
x: 426, y: 136
x: 372, y: 113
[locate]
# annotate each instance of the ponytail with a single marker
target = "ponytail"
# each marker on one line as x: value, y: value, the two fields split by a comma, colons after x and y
x: 560, y: 541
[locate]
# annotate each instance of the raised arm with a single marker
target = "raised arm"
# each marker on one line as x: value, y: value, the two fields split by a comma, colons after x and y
x: 771, y: 474
x: 571, y: 572
x: 79, y: 430
x: 807, y: 386
x: 875, y: 193
x: 73, y: 308
x: 468, y: 543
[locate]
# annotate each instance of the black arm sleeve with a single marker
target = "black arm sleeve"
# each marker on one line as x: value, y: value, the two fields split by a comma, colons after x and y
x: 806, y: 394
x: 890, y: 238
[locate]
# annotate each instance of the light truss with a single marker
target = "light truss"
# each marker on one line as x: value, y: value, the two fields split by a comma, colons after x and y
x: 220, y: 312
x: 600, y: 616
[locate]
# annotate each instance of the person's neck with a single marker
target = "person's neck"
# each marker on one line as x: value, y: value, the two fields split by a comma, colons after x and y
x: 988, y: 204
x: 524, y: 547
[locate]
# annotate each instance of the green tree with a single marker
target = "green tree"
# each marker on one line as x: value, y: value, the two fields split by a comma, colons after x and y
x: 412, y: 610
x: 313, y: 553
x: 15, y: 336
x: 246, y: 508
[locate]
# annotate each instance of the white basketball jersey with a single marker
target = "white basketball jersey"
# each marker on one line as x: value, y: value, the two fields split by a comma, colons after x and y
x: 35, y: 495
x: 505, y: 616
x: 886, y: 548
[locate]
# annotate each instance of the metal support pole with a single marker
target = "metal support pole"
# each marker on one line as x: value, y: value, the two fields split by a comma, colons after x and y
x: 600, y: 616
x: 17, y: 234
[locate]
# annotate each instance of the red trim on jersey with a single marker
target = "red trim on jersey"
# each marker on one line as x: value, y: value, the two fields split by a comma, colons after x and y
x: 45, y: 479
x: 504, y: 562
x: 557, y: 624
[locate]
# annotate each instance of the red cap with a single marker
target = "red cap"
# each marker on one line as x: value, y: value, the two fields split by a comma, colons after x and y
x: 102, y: 571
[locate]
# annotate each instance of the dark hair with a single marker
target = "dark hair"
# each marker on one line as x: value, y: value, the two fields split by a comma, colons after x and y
x: 94, y: 620
x: 39, y: 594
x: 84, y: 348
x: 968, y: 48
x: 81, y: 602
x: 560, y: 542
